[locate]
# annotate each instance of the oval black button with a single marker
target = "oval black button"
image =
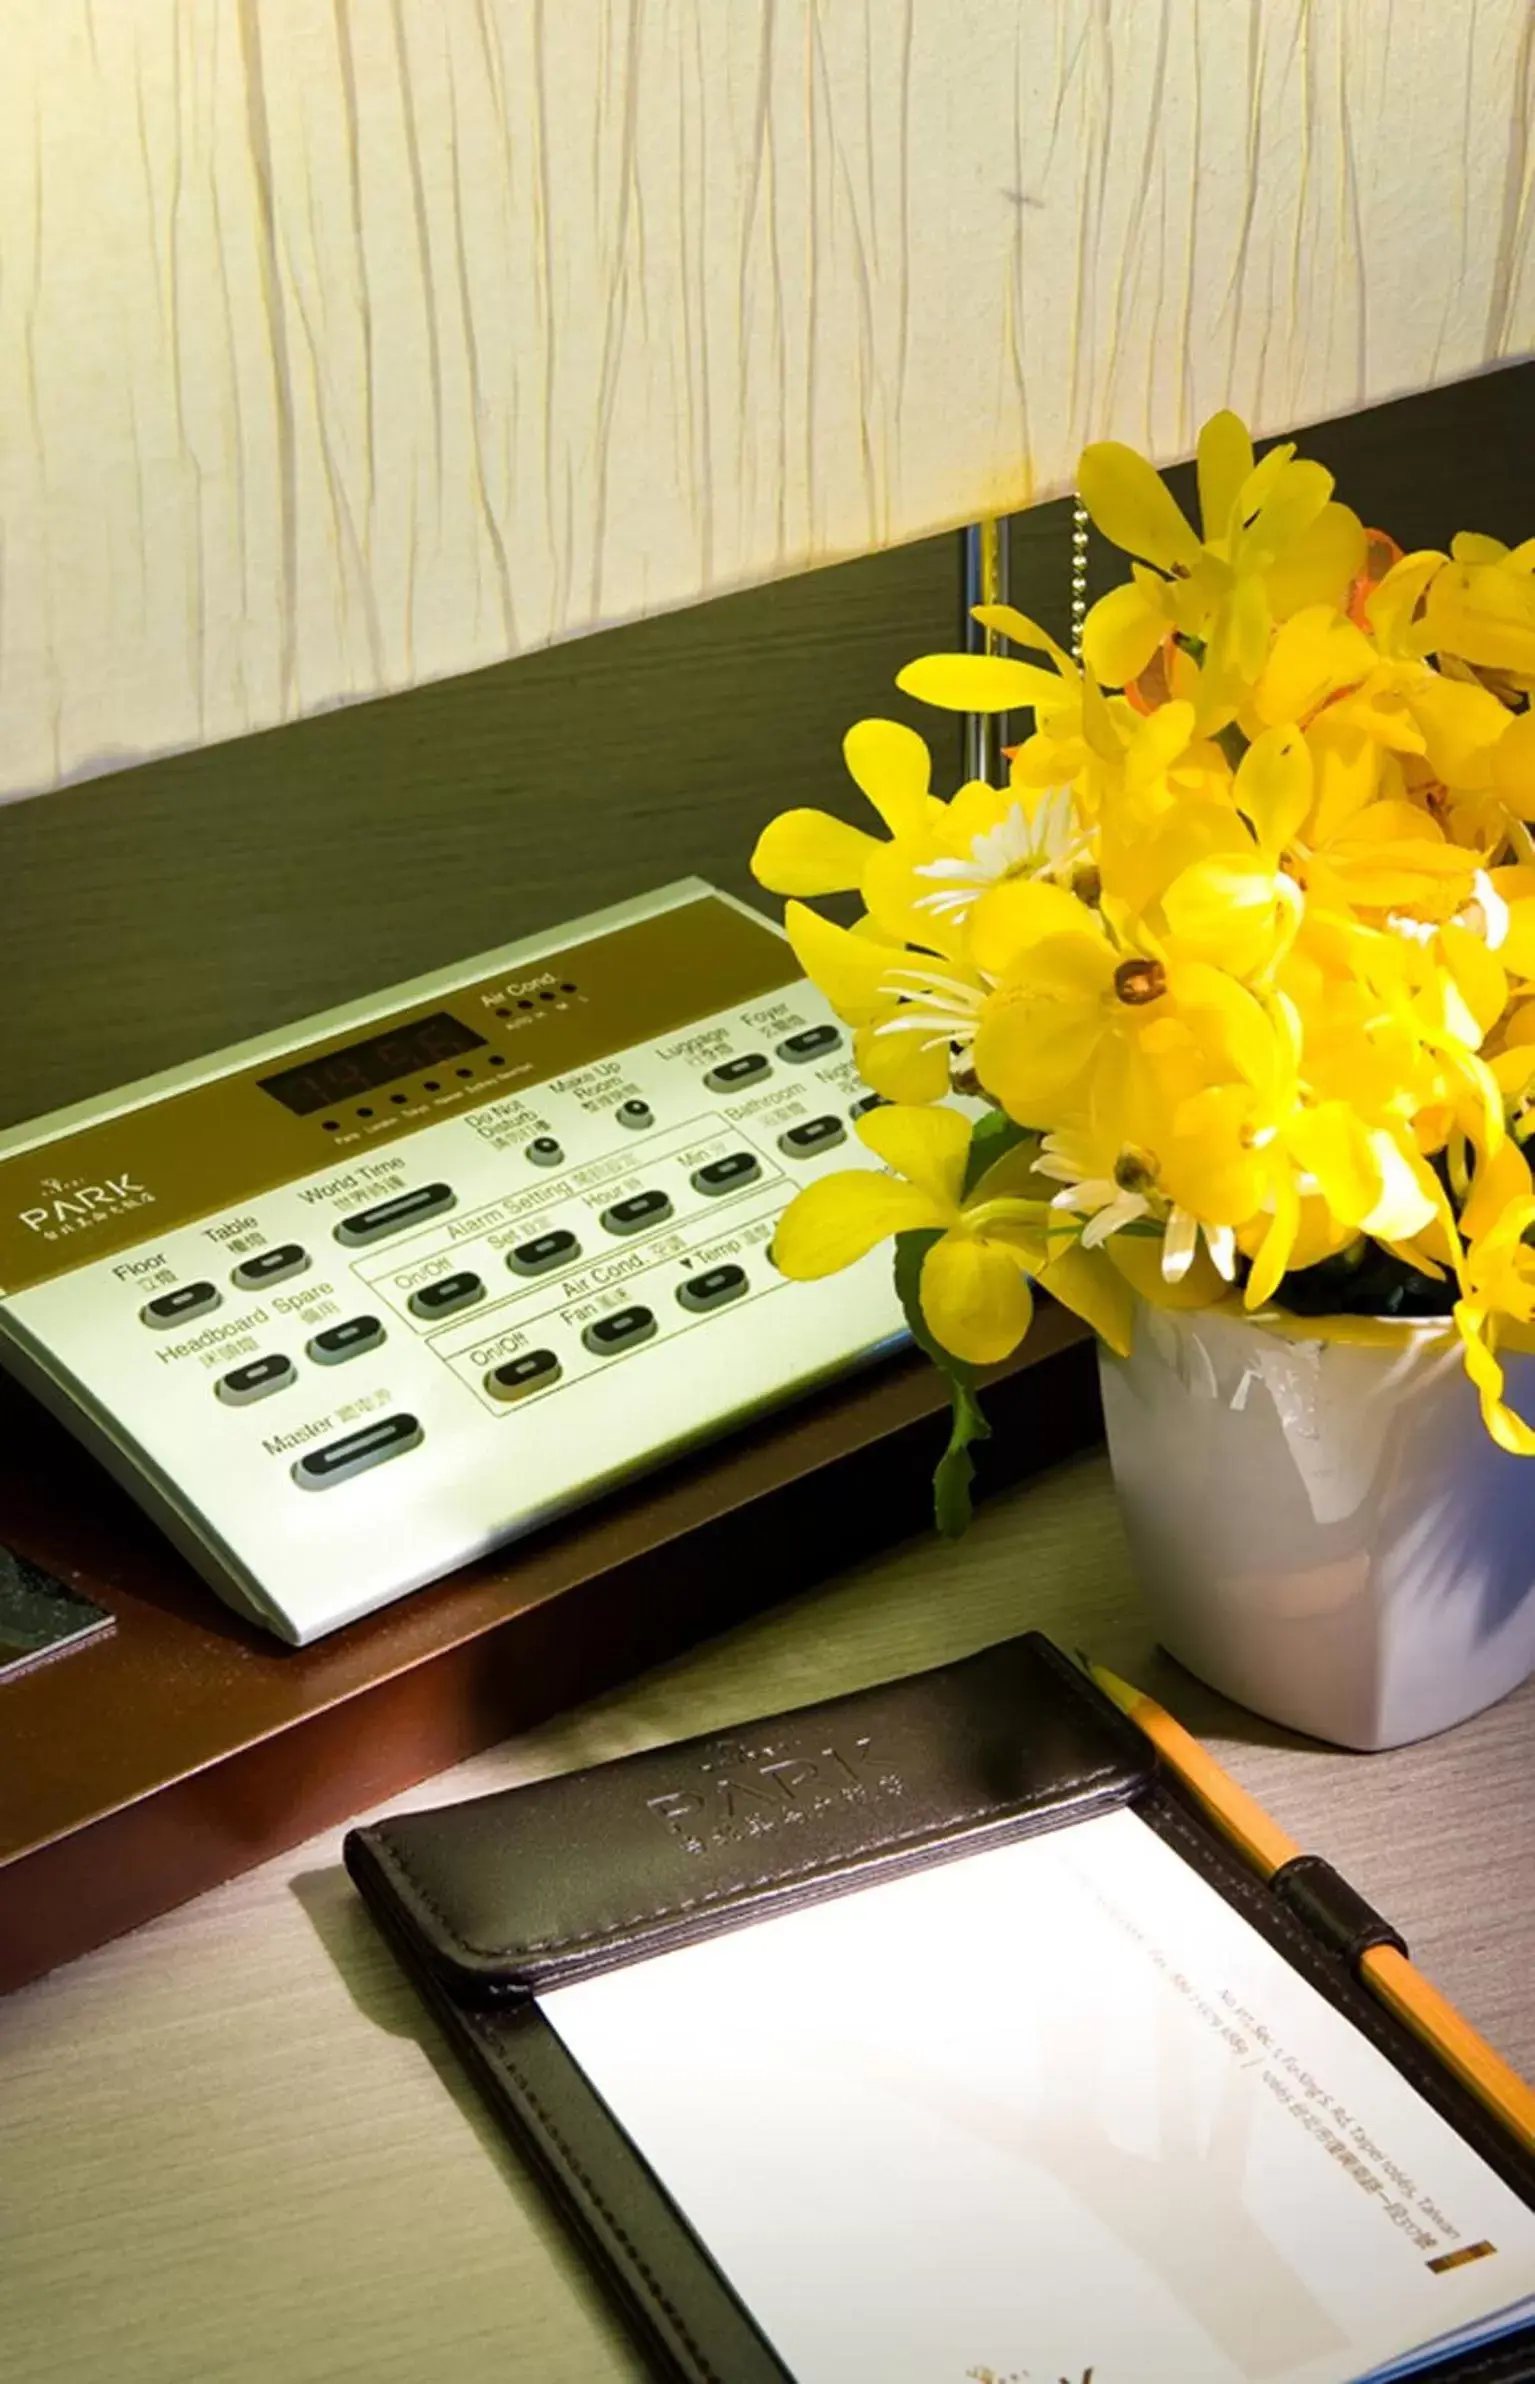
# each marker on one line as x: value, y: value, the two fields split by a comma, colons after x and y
x: 256, y: 1380
x: 817, y: 1134
x: 392, y: 1216
x: 728, y: 1074
x: 641, y: 1208
x: 544, y: 1151
x: 546, y: 1250
x: 862, y: 1107
x: 174, y: 1307
x: 727, y: 1174
x: 809, y: 1043
x: 535, y: 1370
x: 448, y: 1293
x: 349, y: 1340
x: 637, y: 1114
x: 340, y: 1459
x: 624, y: 1329
x: 713, y: 1289
x: 270, y: 1266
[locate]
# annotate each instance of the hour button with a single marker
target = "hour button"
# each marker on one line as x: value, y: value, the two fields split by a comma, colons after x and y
x: 638, y: 1211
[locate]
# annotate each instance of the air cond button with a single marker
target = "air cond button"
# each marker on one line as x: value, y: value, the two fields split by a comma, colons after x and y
x: 817, y: 1134
x: 179, y: 1306
x: 809, y: 1043
x: 339, y: 1342
x: 447, y: 1295
x: 257, y: 1380
x: 535, y: 1370
x: 391, y: 1436
x: 728, y: 1174
x: 626, y: 1328
x: 546, y: 1250
x: 638, y: 1211
x: 713, y: 1289
x: 392, y: 1216
x: 270, y: 1266
x: 730, y: 1075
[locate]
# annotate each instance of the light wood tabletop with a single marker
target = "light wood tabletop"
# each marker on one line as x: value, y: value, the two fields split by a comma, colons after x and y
x: 233, y: 2146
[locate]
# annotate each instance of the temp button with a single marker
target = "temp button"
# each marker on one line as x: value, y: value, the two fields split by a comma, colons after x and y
x: 339, y: 1342
x: 555, y: 1248
x: 626, y: 1328
x: 447, y: 1295
x: 535, y: 1370
x: 339, y: 1460
x: 179, y: 1306
x: 638, y: 1211
x: 392, y: 1216
x: 715, y: 1288
x: 257, y: 1380
x: 271, y: 1266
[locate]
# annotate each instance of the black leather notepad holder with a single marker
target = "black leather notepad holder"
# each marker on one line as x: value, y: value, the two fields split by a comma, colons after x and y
x: 490, y: 1901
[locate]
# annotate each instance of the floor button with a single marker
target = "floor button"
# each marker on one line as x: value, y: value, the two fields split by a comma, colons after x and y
x: 270, y: 1266
x: 179, y: 1306
x: 817, y: 1134
x: 546, y: 1250
x: 535, y: 1370
x: 729, y: 1075
x: 638, y: 1211
x: 626, y: 1328
x: 339, y: 1342
x: 715, y: 1288
x: 729, y: 1174
x: 257, y: 1380
x: 339, y: 1460
x: 393, y: 1216
x: 810, y: 1043
x: 447, y: 1295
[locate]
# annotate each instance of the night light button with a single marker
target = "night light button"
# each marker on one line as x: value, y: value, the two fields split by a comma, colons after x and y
x: 271, y: 1266
x: 816, y: 1135
x: 535, y: 1370
x: 546, y: 1250
x: 393, y: 1216
x: 730, y: 1075
x: 181, y: 1305
x: 446, y: 1296
x: 729, y: 1174
x: 626, y: 1328
x: 638, y: 1211
x: 339, y: 1342
x: 715, y: 1288
x: 339, y: 1460
x: 809, y: 1044
x: 257, y: 1380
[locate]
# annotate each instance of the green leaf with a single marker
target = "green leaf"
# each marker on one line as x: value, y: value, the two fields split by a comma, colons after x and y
x: 956, y: 1467
x: 991, y: 1138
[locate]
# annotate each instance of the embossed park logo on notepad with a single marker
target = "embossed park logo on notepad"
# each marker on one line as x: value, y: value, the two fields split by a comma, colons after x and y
x: 751, y: 1791
x: 70, y: 1205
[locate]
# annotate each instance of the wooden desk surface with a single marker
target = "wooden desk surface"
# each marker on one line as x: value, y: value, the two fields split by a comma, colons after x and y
x: 233, y: 2146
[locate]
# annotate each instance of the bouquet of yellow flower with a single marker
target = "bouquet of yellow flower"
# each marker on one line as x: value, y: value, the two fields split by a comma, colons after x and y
x: 1237, y: 971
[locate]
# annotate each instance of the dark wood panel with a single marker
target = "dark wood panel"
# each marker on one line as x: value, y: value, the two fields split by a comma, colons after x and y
x: 175, y: 907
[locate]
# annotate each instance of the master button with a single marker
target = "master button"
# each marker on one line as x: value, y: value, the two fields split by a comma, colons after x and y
x: 339, y: 1460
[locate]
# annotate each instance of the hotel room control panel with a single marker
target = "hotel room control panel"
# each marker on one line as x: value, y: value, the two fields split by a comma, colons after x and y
x: 346, y: 1306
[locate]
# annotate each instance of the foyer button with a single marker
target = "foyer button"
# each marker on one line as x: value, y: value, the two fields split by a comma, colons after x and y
x: 809, y: 1044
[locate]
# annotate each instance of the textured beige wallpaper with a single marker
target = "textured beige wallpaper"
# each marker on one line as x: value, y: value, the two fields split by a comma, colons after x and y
x: 347, y: 343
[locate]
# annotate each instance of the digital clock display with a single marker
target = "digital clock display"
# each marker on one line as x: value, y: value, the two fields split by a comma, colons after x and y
x: 362, y: 1067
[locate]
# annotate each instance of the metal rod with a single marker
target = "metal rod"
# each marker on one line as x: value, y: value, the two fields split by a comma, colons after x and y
x: 984, y: 573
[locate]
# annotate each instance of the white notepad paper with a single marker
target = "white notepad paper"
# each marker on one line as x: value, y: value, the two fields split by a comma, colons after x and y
x: 1048, y: 2113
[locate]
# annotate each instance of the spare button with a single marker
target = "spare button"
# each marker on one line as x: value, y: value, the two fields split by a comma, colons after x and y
x: 535, y: 1370
x: 447, y: 1294
x: 625, y: 1329
x: 641, y: 1208
x: 546, y: 1250
x: 175, y: 1307
x: 809, y: 1043
x: 729, y: 1074
x: 392, y: 1216
x: 712, y: 1289
x: 727, y: 1174
x: 341, y: 1341
x: 270, y: 1266
x: 256, y: 1380
x: 817, y: 1134
x: 340, y: 1459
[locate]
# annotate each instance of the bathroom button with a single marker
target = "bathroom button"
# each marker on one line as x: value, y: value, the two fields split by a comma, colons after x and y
x: 339, y: 1342
x: 717, y: 1286
x: 393, y: 1216
x: 446, y: 1296
x: 626, y: 1328
x: 535, y: 1370
x: 729, y: 1174
x: 546, y: 1250
x: 637, y: 1115
x: 544, y: 1151
x: 181, y: 1305
x: 339, y: 1460
x: 638, y: 1211
x: 810, y: 1043
x: 257, y: 1380
x: 270, y: 1266
x: 816, y: 1135
x: 730, y: 1075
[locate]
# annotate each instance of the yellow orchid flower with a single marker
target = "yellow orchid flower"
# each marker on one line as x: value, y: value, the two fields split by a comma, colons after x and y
x: 1480, y: 606
x: 1496, y: 1268
x: 912, y: 1010
x: 975, y: 1281
x: 812, y: 852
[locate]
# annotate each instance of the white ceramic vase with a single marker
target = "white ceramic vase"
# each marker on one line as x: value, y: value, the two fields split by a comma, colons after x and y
x: 1324, y: 1531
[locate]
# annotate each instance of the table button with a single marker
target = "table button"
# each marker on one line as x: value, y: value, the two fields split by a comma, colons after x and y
x: 639, y: 1210
x: 447, y: 1295
x: 544, y: 1151
x: 179, y: 1306
x: 713, y: 1289
x: 635, y: 1114
x: 257, y: 1380
x: 270, y: 1266
x: 392, y: 1216
x: 727, y: 1174
x: 546, y: 1250
x: 817, y: 1134
x: 339, y: 1460
x: 730, y: 1075
x: 626, y: 1328
x: 535, y: 1370
x: 809, y: 1043
x: 339, y: 1342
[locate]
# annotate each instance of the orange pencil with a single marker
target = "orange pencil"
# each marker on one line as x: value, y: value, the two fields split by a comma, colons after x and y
x: 1388, y: 1974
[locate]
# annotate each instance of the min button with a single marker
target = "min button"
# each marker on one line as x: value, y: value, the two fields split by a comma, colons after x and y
x: 730, y: 1174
